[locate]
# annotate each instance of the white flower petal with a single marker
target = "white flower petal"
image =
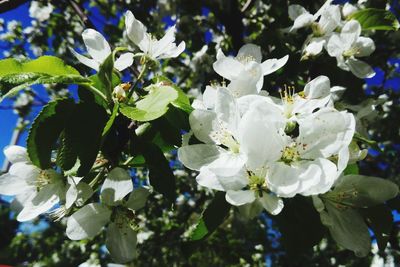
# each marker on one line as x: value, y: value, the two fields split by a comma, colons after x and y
x: 96, y: 45
x: 44, y: 200
x: 250, y: 51
x: 365, y: 46
x: 174, y: 51
x: 360, y: 68
x: 209, y: 96
x: 247, y: 101
x: 330, y: 19
x: 302, y: 20
x: 25, y: 171
x: 121, y: 242
x: 259, y: 138
x: 135, y: 30
x: 350, y: 33
x: 325, y: 132
x: 318, y: 87
x: 295, y: 11
x: 16, y: 154
x: 283, y: 179
x: 117, y: 185
x: 22, y: 199
x: 203, y: 123
x: 208, y: 179
x: 196, y: 156
x: 88, y: 221
x: 71, y: 195
x: 11, y: 185
x: 91, y: 63
x: 246, y: 85
x: 124, y: 61
x: 271, y: 65
x: 335, y: 46
x: 326, y: 177
x: 137, y: 199
x: 315, y: 46
x: 227, y: 164
x: 271, y: 203
x: 227, y: 110
x: 228, y: 67
x: 348, y: 9
x: 241, y: 197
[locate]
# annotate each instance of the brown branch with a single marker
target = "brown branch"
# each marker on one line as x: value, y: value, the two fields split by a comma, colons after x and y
x: 7, y: 5
x: 82, y: 15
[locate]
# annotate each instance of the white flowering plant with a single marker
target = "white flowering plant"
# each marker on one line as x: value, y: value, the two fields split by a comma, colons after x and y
x: 254, y: 146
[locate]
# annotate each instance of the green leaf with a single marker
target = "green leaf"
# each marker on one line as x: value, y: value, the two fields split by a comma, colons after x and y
x: 160, y: 174
x: 45, y: 131
x: 49, y: 65
x: 362, y: 191
x: 347, y: 228
x: 380, y: 220
x: 105, y: 75
x: 99, y: 84
x: 351, y: 169
x: 152, y: 106
x: 376, y: 19
x: 66, y: 154
x: 215, y: 214
x: 15, y: 75
x: 111, y: 120
x: 182, y: 102
x: 84, y: 131
x: 300, y: 226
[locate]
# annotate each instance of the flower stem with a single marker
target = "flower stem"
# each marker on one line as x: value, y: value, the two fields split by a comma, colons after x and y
x: 140, y: 76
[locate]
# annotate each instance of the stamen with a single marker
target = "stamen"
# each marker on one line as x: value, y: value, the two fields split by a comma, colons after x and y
x: 290, y: 154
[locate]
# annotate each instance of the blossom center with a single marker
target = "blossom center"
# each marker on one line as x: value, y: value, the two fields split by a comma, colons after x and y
x: 244, y: 59
x: 317, y: 29
x: 224, y: 137
x: 351, y: 52
x: 290, y: 154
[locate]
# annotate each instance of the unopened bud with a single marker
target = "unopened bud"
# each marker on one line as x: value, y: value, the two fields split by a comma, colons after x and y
x: 119, y: 93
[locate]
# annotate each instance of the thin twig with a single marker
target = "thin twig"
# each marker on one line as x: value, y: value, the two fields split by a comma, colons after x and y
x: 84, y: 18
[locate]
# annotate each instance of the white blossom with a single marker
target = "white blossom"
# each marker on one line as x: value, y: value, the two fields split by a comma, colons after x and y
x: 39, y: 11
x: 99, y: 49
x: 113, y: 211
x: 348, y: 45
x: 36, y: 191
x: 155, y: 49
x: 246, y: 70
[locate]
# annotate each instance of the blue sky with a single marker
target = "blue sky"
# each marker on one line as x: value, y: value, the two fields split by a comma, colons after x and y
x: 7, y: 118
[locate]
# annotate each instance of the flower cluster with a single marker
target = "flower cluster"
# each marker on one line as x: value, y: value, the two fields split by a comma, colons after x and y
x: 258, y: 148
x: 332, y: 30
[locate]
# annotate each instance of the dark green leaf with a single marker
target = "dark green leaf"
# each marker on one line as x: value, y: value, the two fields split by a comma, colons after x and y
x: 376, y: 19
x: 351, y: 169
x: 66, y: 155
x: 380, y: 219
x: 160, y: 174
x: 105, y: 75
x: 46, y: 129
x: 83, y: 131
x: 362, y: 191
x: 300, y: 226
x: 215, y: 214
x: 111, y: 120
x: 347, y: 227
